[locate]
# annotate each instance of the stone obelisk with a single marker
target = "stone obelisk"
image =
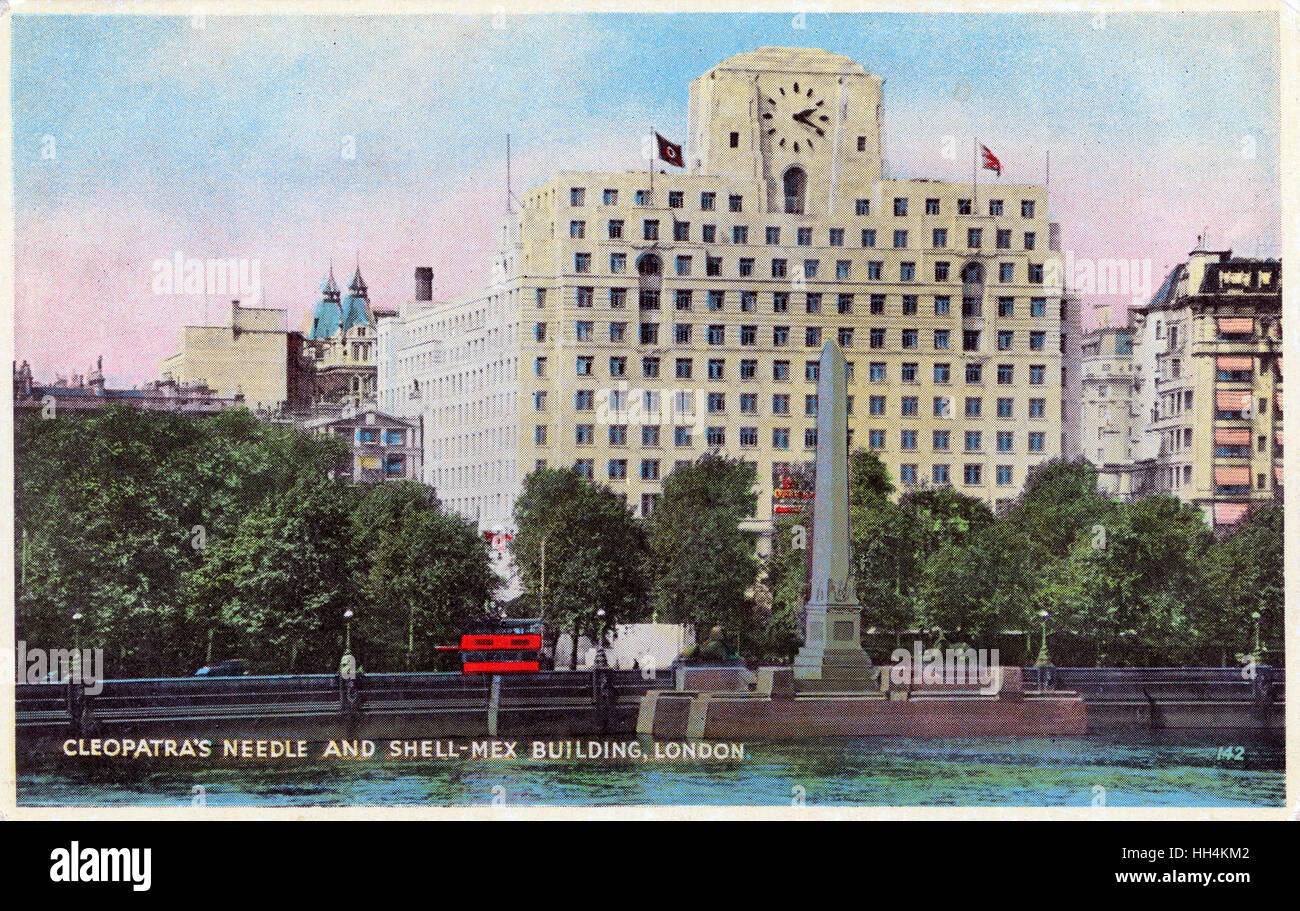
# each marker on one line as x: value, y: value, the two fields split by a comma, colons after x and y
x: 832, y: 658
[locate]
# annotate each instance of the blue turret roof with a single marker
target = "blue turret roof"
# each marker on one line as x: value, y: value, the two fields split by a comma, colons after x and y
x: 329, y: 314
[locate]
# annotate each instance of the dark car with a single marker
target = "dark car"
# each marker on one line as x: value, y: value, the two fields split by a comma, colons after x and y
x: 232, y: 667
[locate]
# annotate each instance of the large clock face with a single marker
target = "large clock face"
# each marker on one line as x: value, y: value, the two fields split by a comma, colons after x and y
x: 794, y: 118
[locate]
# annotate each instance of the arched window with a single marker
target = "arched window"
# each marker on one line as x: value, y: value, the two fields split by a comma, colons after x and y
x: 972, y: 274
x: 795, y: 182
x: 648, y: 264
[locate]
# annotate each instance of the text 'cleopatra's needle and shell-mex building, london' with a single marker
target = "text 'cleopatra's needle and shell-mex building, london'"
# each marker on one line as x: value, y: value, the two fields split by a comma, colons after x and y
x: 635, y: 322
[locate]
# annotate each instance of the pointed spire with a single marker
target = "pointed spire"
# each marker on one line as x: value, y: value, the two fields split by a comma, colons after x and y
x: 329, y: 288
x: 358, y: 285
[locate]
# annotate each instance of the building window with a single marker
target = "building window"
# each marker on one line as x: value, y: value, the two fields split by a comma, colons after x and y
x: 940, y: 239
x: 1005, y: 408
x: 971, y: 474
x: 910, y: 406
x: 584, y: 434
x: 1037, y: 374
x: 539, y: 435
x: 941, y: 339
x: 781, y: 403
x: 906, y: 272
x: 941, y: 305
x: 584, y: 467
x: 735, y: 202
x: 900, y: 240
x: 863, y: 207
x: 577, y: 196
x: 577, y: 229
x: 1026, y: 208
x: 995, y: 208
x: 707, y: 200
x: 717, y: 369
x: 868, y: 237
x: 618, y: 435
x: 939, y: 474
x: 650, y: 367
x: 900, y: 206
x: 610, y: 197
x: 1036, y: 439
x: 1038, y: 408
x: 836, y: 237
x: 812, y: 303
x: 1006, y: 374
x: 973, y: 238
x: 1004, y: 475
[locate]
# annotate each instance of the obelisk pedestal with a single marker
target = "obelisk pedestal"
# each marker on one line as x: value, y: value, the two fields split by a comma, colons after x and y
x: 832, y: 658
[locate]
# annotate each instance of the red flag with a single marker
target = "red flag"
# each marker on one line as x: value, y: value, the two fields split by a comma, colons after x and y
x: 670, y: 152
x: 991, y: 161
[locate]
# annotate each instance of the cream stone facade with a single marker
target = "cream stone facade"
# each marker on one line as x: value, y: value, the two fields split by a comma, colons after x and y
x: 1111, y: 430
x: 1207, y: 388
x: 251, y: 357
x: 635, y: 321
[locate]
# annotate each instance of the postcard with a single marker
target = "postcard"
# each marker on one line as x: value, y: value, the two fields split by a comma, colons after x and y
x: 662, y: 412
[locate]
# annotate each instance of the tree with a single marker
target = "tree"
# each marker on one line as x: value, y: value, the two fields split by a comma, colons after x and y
x: 594, y: 573
x: 1060, y: 502
x: 115, y: 507
x: 1247, y: 576
x: 702, y: 561
x: 974, y: 590
x: 279, y: 586
x: 428, y: 577
x: 1141, y: 590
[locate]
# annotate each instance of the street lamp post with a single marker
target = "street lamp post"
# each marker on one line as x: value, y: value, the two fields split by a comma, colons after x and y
x: 1044, y: 660
x: 347, y: 632
x: 76, y: 644
x: 1258, y: 656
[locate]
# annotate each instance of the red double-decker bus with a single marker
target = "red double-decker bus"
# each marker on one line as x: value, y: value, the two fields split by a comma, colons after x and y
x: 499, y: 653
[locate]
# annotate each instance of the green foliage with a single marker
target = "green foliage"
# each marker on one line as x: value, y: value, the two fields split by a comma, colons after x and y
x: 702, y: 562
x: 595, y: 552
x: 168, y: 532
x: 429, y: 578
x: 1247, y: 578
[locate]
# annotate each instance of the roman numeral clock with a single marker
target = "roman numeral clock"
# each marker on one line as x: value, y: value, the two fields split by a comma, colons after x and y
x: 794, y: 119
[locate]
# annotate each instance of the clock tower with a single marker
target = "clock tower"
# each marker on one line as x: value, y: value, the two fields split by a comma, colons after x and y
x: 803, y: 124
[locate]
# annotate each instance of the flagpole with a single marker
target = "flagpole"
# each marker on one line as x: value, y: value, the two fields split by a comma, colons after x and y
x: 654, y: 152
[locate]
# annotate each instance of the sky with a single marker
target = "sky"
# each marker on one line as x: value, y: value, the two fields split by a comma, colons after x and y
x: 298, y: 141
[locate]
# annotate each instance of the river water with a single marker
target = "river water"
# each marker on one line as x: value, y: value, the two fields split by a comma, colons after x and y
x: 1141, y: 769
